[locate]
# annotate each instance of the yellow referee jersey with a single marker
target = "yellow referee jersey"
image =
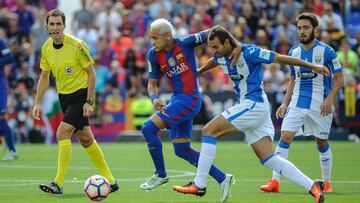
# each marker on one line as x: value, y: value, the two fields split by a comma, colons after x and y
x: 68, y: 64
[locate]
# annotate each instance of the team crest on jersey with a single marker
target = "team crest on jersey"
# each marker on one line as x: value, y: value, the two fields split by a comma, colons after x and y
x: 317, y: 59
x: 171, y: 62
x: 69, y: 70
x: 180, y: 57
x: 241, y: 64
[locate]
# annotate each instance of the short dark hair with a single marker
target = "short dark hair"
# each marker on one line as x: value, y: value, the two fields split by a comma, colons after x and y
x: 222, y: 34
x: 308, y: 16
x: 55, y: 12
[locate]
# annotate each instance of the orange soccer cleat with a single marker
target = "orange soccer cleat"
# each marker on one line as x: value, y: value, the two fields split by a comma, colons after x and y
x: 317, y: 191
x: 190, y: 188
x: 327, y: 187
x: 272, y: 186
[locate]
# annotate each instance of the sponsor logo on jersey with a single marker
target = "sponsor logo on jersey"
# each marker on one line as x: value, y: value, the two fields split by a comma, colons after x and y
x: 336, y: 63
x: 177, y: 70
x: 84, y: 52
x: 69, y: 70
x: 236, y: 77
x: 264, y: 54
x: 308, y: 75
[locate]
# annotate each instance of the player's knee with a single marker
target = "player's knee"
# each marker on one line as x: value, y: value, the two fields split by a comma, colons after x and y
x: 180, y: 152
x: 321, y: 142
x: 183, y: 150
x: 64, y: 133
x: 149, y: 127
x: 208, y: 130
x: 286, y: 138
x: 85, y: 141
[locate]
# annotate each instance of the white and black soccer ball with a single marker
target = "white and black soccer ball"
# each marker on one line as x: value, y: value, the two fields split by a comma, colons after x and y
x: 97, y: 188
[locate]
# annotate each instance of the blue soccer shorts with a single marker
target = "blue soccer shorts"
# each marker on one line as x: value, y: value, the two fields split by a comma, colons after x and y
x: 178, y: 114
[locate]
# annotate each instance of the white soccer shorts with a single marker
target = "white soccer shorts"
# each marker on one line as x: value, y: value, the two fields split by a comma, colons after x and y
x: 253, y: 118
x: 314, y: 123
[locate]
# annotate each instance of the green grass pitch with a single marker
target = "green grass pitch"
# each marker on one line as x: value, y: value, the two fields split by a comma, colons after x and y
x: 131, y: 163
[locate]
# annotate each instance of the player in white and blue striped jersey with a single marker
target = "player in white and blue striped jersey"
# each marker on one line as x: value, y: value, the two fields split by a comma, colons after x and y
x: 251, y: 115
x: 309, y: 99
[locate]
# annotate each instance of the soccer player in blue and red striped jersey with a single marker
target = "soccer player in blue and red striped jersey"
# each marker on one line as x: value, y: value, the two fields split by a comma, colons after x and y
x: 176, y: 58
x: 5, y: 58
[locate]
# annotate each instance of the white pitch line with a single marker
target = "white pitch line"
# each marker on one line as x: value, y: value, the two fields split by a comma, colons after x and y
x: 178, y: 176
x: 17, y: 183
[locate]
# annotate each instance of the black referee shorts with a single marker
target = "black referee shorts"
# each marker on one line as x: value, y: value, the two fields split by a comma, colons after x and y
x: 72, y: 107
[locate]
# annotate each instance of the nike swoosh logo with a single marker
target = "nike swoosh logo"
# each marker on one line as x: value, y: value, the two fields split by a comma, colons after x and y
x: 163, y: 112
x: 325, y: 160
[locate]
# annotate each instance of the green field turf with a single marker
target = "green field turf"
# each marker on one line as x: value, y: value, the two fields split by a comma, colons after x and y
x: 131, y: 163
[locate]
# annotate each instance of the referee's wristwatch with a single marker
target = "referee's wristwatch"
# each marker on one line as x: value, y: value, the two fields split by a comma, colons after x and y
x: 89, y: 101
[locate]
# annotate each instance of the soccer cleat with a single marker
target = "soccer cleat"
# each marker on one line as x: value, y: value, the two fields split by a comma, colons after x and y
x: 225, y: 187
x: 272, y: 186
x: 190, y: 188
x: 114, y: 187
x: 52, y: 188
x: 317, y: 191
x: 327, y: 187
x: 11, y: 156
x: 153, y: 182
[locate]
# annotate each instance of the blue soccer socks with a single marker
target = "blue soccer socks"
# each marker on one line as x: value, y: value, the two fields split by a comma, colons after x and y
x: 150, y: 132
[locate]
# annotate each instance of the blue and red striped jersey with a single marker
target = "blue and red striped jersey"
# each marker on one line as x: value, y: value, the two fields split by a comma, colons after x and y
x: 178, y: 64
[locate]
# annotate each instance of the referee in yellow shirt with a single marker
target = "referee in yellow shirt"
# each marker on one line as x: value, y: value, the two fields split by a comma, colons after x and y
x: 69, y: 60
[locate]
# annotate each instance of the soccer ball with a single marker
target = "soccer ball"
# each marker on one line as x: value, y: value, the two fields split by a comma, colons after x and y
x: 97, y: 188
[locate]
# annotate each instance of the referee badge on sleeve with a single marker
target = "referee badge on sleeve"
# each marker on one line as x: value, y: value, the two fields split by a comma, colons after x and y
x: 69, y: 70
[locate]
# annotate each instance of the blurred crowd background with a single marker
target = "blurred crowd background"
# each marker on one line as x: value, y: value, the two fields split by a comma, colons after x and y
x: 116, y: 34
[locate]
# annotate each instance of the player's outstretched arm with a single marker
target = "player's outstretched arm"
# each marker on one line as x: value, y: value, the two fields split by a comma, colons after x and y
x: 290, y: 60
x: 43, y: 83
x: 209, y: 64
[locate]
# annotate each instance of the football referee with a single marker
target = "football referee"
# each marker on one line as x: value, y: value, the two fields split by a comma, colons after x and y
x: 69, y: 60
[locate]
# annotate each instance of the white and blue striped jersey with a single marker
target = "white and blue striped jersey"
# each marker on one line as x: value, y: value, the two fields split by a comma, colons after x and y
x: 311, y: 89
x: 247, y: 75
